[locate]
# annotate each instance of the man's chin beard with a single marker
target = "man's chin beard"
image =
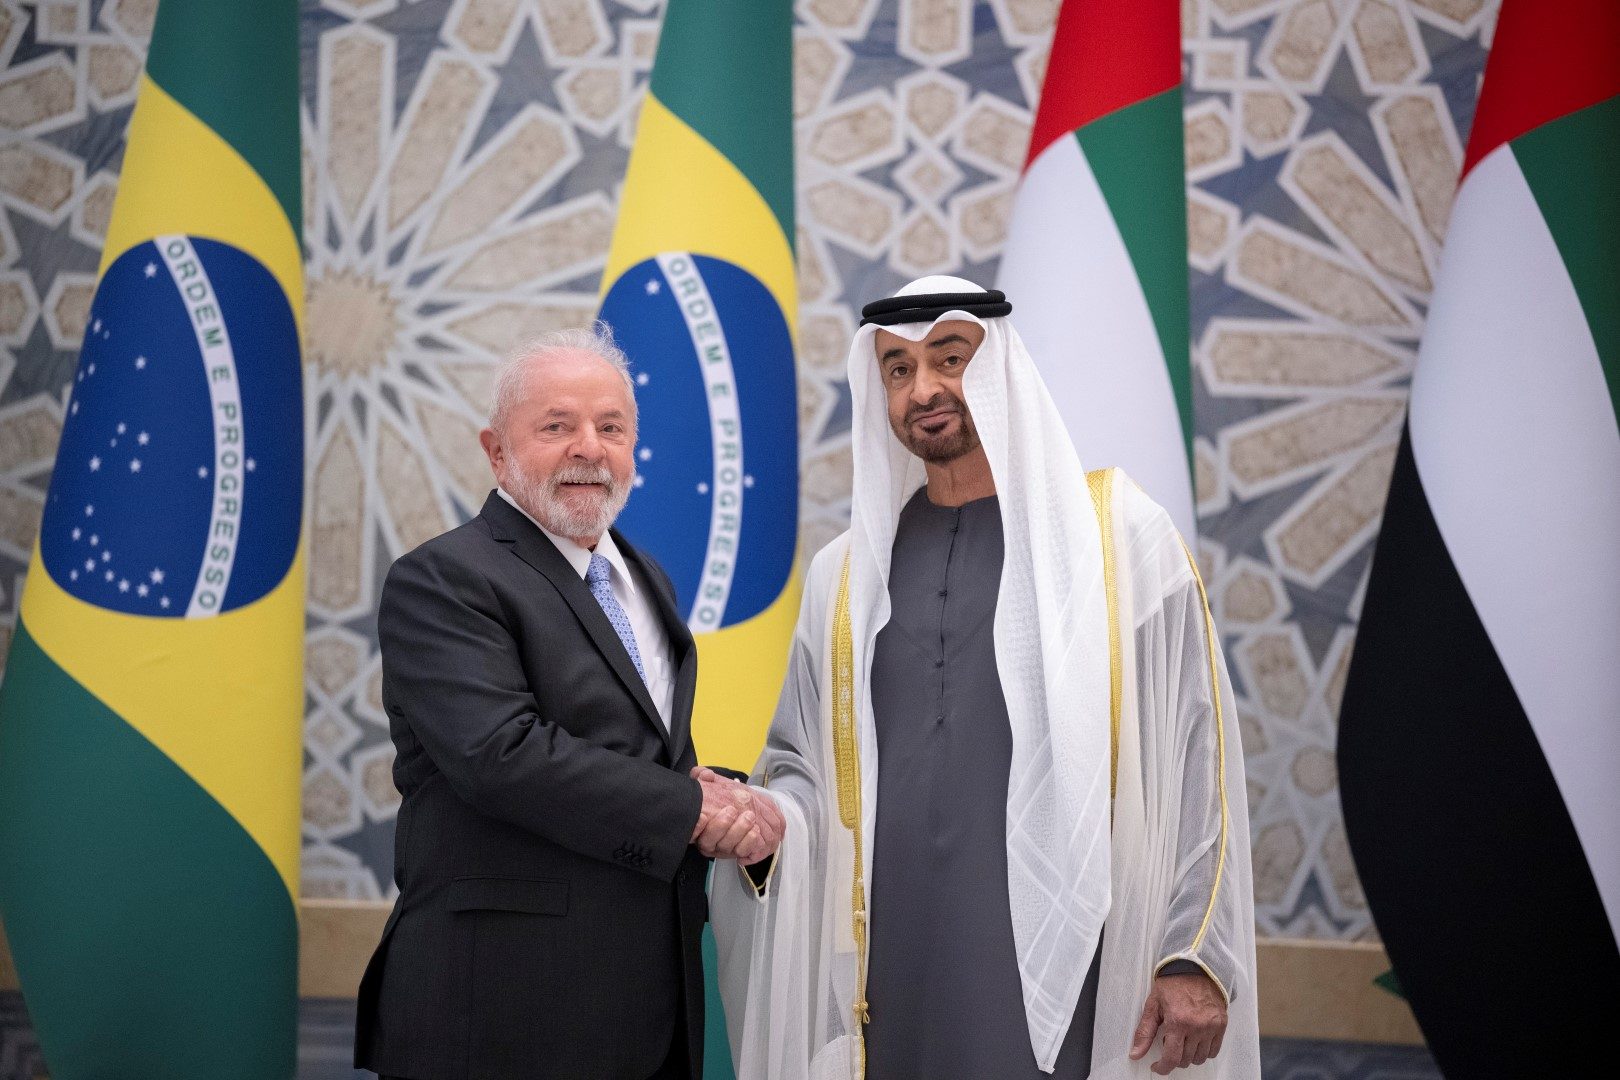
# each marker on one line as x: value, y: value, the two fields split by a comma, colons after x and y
x: 562, y: 515
x: 942, y: 449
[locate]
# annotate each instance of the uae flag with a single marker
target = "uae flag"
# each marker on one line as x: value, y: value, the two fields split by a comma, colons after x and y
x: 1096, y: 258
x: 1479, y: 746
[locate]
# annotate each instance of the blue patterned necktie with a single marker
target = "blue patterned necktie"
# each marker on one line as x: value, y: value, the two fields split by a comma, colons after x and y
x: 597, y: 578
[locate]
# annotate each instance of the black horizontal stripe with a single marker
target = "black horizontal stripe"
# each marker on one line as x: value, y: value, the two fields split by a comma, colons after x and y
x: 1474, y: 872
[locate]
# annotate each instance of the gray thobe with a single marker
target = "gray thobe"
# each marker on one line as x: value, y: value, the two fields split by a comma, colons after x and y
x: 946, y: 1000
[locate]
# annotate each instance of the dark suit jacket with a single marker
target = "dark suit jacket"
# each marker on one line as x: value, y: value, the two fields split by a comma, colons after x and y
x: 550, y: 909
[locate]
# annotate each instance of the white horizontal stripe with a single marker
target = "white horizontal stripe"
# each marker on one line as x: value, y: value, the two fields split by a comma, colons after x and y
x: 1081, y: 311
x: 1516, y: 443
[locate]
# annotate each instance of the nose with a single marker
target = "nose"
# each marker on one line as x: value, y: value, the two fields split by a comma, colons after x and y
x: 587, y: 445
x: 926, y: 386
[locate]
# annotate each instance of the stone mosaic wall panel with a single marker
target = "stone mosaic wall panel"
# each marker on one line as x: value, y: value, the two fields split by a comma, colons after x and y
x: 461, y: 164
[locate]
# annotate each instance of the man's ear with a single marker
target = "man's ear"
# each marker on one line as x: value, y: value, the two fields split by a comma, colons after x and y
x: 493, y: 450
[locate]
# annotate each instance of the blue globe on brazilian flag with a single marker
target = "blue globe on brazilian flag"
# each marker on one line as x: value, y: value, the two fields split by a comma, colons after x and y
x: 176, y: 488
x: 700, y: 291
x: 717, y: 502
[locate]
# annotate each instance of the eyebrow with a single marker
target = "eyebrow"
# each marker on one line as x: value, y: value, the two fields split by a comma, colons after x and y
x: 937, y: 343
x: 557, y: 413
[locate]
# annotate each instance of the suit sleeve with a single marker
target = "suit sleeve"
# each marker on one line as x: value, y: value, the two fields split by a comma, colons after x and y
x: 459, y: 683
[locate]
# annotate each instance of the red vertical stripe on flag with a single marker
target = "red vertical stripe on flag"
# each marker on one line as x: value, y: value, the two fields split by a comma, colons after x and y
x: 1105, y: 55
x: 1548, y: 60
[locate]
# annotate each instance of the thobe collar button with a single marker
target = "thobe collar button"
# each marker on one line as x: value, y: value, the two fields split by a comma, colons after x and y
x: 942, y: 592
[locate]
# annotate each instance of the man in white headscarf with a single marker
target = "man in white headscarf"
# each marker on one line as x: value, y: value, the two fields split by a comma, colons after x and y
x: 1006, y: 754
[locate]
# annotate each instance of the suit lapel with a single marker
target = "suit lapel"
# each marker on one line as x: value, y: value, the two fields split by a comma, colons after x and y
x: 510, y: 526
x: 682, y: 650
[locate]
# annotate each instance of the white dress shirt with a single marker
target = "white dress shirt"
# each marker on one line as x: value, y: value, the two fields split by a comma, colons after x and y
x: 635, y: 597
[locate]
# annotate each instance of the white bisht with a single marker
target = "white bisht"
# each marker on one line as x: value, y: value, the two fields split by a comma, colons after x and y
x: 1126, y: 795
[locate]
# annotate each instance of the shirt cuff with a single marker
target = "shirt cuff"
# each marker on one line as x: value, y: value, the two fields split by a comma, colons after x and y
x: 1186, y: 965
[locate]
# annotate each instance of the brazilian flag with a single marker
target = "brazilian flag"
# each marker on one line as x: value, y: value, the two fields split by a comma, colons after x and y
x: 150, y: 718
x: 700, y: 292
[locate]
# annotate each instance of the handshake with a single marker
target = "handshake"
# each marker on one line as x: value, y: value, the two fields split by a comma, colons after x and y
x: 737, y: 821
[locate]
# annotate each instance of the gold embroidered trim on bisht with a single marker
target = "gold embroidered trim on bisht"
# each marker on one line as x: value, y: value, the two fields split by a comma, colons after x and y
x: 1220, y: 745
x: 1101, y: 483
x: 847, y: 763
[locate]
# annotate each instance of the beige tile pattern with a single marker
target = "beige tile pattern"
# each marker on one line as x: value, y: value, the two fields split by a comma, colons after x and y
x: 1348, y: 202
x: 133, y: 17
x: 572, y: 28
x: 452, y: 209
x: 1257, y: 358
x: 18, y: 308
x: 862, y: 132
x: 113, y: 70
x: 94, y: 211
x: 1425, y: 154
x: 530, y: 153
x: 39, y: 94
x: 350, y: 322
x: 20, y: 511
x: 1322, y: 530
x: 1295, y: 273
x: 1303, y: 440
x: 439, y: 125
x: 37, y: 180
x: 332, y: 660
x: 337, y: 514
x: 355, y: 65
x: 29, y: 431
x: 482, y: 25
x: 563, y: 243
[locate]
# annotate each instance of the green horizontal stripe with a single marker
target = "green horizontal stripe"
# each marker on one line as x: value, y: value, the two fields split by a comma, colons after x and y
x: 1573, y: 168
x: 234, y: 65
x: 1137, y: 157
x: 153, y: 938
x: 725, y: 67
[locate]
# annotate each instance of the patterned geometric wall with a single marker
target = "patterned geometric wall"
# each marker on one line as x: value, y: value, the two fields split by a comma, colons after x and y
x: 461, y: 167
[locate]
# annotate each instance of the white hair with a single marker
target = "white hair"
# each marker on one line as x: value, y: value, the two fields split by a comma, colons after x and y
x: 512, y: 376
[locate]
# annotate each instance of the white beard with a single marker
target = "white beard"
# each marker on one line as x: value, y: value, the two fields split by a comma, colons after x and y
x: 543, y: 498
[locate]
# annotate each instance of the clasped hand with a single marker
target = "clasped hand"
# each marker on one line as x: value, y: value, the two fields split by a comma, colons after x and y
x: 737, y: 821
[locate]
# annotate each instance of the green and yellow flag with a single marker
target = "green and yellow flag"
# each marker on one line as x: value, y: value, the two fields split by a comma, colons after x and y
x: 700, y: 291
x: 150, y: 718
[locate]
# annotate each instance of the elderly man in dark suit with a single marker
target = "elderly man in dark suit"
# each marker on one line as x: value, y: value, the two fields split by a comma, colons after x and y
x: 556, y: 829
